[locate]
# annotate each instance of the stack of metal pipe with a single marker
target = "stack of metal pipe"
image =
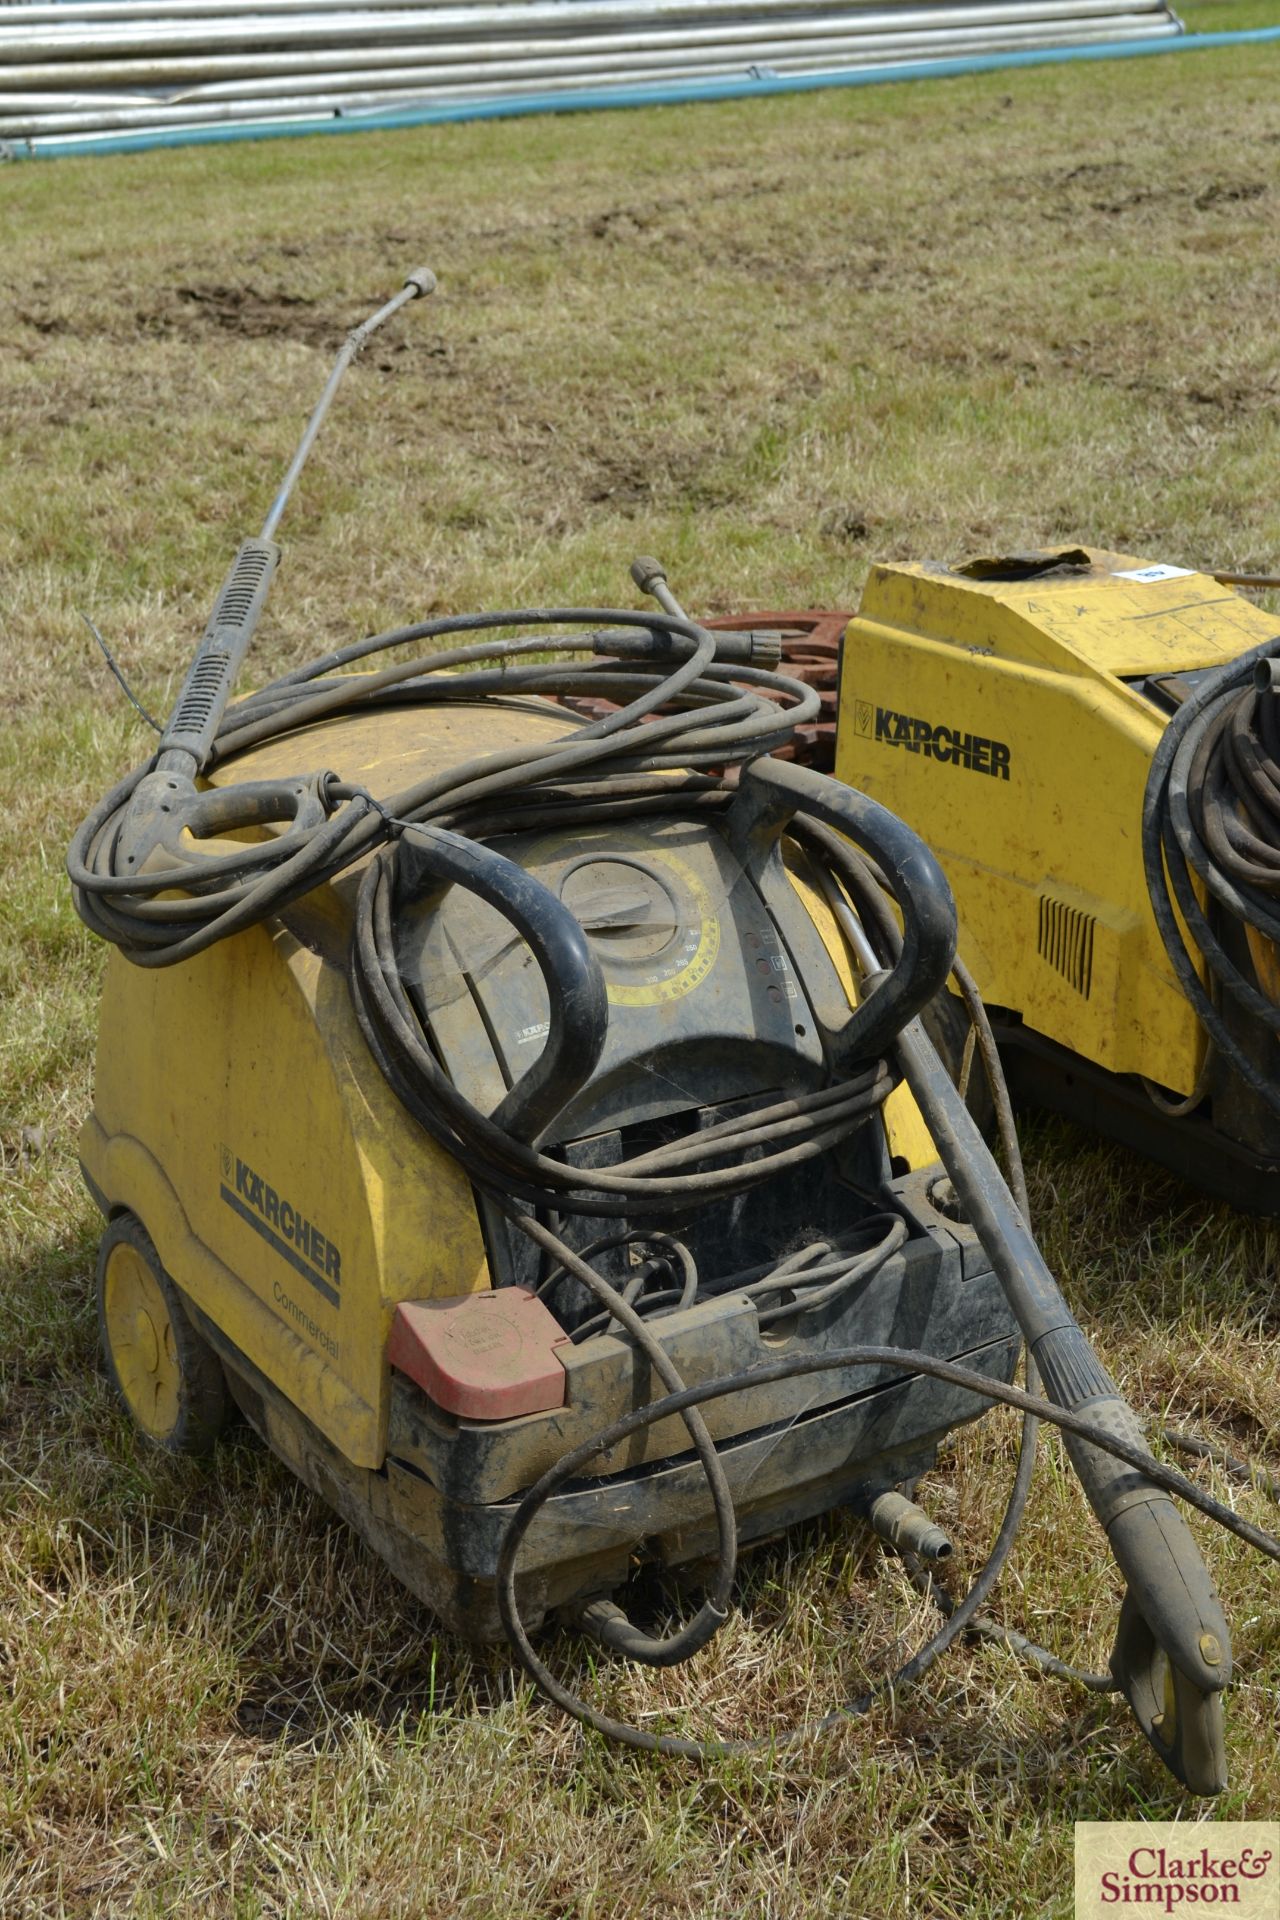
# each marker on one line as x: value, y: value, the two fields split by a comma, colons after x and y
x: 76, y: 68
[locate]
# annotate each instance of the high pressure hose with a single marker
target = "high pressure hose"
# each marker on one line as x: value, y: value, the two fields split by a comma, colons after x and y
x: 134, y: 849
x: 696, y: 715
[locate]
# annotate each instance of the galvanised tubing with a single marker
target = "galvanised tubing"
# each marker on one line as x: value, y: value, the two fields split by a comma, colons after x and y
x: 285, y: 71
x: 19, y: 45
x: 355, y: 93
x: 670, y: 94
x: 464, y: 13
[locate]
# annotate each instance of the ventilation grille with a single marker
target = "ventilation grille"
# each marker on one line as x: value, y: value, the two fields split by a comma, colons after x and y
x: 197, y: 701
x: 1066, y: 941
x: 237, y: 596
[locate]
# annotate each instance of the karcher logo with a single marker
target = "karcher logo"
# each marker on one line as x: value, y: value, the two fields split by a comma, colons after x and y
x: 282, y: 1225
x: 947, y: 744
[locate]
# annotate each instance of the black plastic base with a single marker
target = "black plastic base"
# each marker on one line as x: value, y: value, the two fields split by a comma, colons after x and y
x: 1045, y: 1075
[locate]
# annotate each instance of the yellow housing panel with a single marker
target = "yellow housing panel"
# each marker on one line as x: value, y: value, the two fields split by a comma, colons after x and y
x: 993, y: 716
x: 238, y: 1113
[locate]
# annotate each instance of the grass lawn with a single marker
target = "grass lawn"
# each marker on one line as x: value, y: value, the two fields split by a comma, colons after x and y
x: 770, y: 343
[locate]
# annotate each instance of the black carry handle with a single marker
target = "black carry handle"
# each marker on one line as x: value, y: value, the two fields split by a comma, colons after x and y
x: 771, y: 793
x: 578, y: 1007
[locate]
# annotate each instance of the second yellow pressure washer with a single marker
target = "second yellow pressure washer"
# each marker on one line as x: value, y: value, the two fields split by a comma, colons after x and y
x: 1090, y: 743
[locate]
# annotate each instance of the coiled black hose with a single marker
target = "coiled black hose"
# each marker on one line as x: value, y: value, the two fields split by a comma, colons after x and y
x: 683, y: 709
x: 1211, y: 814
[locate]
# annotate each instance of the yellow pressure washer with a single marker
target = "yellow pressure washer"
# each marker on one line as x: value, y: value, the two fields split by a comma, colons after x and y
x: 1090, y: 743
x: 530, y: 1125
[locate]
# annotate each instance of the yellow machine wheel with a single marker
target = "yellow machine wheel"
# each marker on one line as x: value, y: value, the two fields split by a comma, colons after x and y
x: 168, y: 1377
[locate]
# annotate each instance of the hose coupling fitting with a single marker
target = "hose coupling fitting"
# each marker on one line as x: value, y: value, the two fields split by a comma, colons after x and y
x: 905, y: 1526
x: 766, y: 647
x: 647, y: 572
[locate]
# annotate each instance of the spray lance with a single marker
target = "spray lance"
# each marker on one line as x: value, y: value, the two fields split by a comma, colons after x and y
x: 166, y: 802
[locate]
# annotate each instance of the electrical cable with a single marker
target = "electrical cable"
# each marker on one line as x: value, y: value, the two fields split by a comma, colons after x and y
x: 1242, y: 1470
x: 118, y: 673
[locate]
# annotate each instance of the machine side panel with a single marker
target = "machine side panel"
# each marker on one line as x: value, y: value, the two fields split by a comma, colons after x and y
x: 243, y: 1075
x: 1028, y: 785
x: 126, y: 1174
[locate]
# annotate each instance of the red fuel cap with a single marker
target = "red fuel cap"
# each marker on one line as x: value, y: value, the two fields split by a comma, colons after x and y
x: 483, y: 1356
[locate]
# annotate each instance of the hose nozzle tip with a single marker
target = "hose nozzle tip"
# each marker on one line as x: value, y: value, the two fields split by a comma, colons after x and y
x: 422, y: 280
x: 905, y: 1526
x: 647, y: 572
